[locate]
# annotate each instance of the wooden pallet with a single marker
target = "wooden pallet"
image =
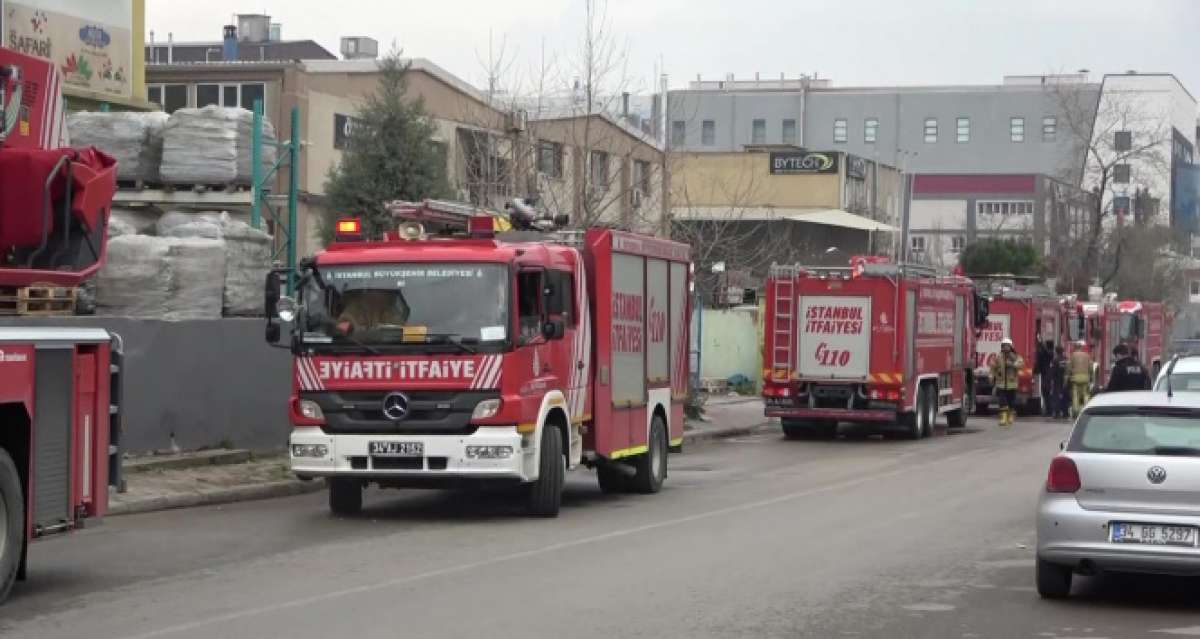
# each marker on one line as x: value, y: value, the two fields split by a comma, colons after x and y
x: 37, y: 300
x: 714, y: 386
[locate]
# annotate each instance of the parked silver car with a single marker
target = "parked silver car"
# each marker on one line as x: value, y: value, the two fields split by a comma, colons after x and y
x: 1124, y: 495
x: 1184, y: 371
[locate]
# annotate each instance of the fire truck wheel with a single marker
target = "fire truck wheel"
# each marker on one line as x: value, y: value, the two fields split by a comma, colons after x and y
x: 12, y: 523
x: 914, y: 422
x: 345, y: 496
x: 611, y: 480
x: 652, y: 466
x: 545, y: 495
x: 931, y: 410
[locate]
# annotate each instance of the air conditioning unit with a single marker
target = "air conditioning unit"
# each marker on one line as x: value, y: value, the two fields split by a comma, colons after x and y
x: 518, y: 120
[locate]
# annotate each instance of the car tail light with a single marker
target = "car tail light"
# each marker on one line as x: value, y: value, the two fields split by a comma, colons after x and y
x: 1063, y: 476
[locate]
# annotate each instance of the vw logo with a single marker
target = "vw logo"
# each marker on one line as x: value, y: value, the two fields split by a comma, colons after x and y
x: 395, y: 406
x: 1156, y: 474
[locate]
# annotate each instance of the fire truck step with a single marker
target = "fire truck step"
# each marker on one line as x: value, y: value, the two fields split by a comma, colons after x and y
x: 37, y: 300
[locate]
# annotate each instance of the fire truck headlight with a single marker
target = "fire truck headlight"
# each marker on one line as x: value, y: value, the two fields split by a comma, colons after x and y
x: 310, y: 450
x: 285, y: 308
x: 311, y: 409
x: 489, y: 452
x: 485, y: 409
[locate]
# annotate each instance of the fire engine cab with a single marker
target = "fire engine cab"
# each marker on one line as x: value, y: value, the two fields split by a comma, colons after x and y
x: 883, y: 344
x: 1029, y: 317
x: 471, y: 357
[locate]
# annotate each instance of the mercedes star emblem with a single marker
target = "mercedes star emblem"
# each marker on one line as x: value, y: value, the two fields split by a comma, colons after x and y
x: 1156, y: 474
x: 395, y: 406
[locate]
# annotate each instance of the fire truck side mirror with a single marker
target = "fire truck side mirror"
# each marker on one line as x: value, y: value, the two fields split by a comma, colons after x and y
x: 271, y: 294
x: 982, y: 310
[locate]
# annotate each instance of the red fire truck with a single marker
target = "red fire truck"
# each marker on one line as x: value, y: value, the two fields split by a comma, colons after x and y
x: 886, y: 344
x: 438, y: 361
x: 1027, y: 317
x: 58, y: 386
x: 1143, y: 326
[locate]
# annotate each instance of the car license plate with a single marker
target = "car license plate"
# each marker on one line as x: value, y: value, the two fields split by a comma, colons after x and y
x: 1153, y: 534
x: 396, y: 449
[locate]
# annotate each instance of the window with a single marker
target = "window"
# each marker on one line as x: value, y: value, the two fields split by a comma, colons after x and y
x: 1121, y: 174
x: 1016, y: 129
x: 957, y: 243
x: 560, y: 304
x: 1196, y: 252
x: 250, y: 92
x: 175, y: 97
x: 529, y: 305
x: 870, y: 130
x: 1022, y: 207
x: 1123, y: 140
x: 1049, y: 128
x: 678, y: 133
x: 230, y: 96
x: 930, y: 130
x: 550, y: 159
x: 839, y: 130
x: 917, y: 243
x: 708, y: 133
x: 758, y: 132
x: 599, y: 170
x: 641, y: 177
x: 207, y: 94
x: 154, y: 94
x: 789, y: 131
x: 1195, y: 287
x: 964, y: 130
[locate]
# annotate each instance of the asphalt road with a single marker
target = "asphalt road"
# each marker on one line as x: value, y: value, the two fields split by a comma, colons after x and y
x: 751, y: 537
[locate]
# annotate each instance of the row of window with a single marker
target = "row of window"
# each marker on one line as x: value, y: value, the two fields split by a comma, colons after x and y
x: 1004, y: 208
x: 171, y: 97
x: 917, y: 243
x: 841, y: 128
x: 550, y: 163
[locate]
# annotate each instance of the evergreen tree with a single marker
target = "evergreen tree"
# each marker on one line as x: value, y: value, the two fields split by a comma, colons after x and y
x: 993, y: 256
x: 390, y: 155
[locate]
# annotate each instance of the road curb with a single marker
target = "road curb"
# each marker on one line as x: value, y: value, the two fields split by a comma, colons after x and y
x: 213, y: 497
x: 709, y: 434
x: 189, y: 460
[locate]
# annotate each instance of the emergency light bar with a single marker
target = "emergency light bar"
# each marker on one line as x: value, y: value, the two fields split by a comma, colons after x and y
x: 348, y: 230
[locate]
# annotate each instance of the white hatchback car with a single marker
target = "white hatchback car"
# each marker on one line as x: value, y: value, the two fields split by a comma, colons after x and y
x: 1185, y: 374
x: 1124, y: 495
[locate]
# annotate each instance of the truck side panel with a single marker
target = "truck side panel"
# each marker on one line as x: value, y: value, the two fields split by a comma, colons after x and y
x: 52, y: 451
x: 678, y: 327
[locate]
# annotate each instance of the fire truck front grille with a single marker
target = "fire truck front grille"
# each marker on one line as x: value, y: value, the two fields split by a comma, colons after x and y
x: 429, y: 412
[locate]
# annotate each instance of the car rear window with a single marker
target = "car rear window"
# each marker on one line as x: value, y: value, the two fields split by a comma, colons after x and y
x: 1135, y: 434
x: 1180, y: 382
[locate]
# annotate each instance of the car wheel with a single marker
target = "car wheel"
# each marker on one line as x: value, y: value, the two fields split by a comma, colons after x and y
x: 12, y: 524
x: 1053, y: 580
x: 652, y: 466
x: 544, y: 496
x: 345, y: 496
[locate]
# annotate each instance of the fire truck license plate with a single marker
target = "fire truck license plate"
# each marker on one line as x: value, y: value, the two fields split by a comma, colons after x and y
x: 396, y: 449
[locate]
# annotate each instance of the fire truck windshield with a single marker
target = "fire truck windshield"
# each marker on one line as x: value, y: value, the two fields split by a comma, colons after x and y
x: 411, y: 303
x: 1129, y: 330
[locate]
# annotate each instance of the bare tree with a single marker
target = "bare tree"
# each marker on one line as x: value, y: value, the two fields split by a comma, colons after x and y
x: 1114, y: 133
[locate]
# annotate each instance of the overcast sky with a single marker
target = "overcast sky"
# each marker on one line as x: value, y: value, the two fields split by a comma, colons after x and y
x: 854, y: 42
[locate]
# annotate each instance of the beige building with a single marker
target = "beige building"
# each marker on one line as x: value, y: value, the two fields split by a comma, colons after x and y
x: 599, y: 171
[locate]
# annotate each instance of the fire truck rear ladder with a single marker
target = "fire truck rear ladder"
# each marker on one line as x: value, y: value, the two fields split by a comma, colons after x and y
x: 782, y: 326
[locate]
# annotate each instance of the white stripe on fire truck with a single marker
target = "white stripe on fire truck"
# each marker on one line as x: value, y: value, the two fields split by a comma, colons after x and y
x: 311, y: 369
x: 302, y: 375
x: 484, y: 370
x: 494, y: 377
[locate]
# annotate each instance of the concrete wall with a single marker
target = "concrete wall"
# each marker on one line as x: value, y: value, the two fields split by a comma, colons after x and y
x: 730, y: 343
x: 744, y: 179
x: 206, y: 381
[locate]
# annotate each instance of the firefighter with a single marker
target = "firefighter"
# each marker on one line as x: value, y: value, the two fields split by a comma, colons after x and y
x: 367, y: 309
x: 1045, y: 358
x: 1079, y: 372
x: 1059, y: 383
x: 1128, y: 374
x: 1005, y: 369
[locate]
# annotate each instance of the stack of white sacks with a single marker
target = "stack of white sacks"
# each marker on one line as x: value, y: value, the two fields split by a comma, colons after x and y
x: 184, y: 265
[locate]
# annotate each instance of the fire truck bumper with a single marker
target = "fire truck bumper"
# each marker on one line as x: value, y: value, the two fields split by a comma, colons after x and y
x: 488, y: 454
x: 840, y: 414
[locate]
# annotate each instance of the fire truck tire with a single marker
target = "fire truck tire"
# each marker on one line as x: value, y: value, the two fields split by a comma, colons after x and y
x: 652, y: 466
x: 931, y: 410
x: 544, y: 496
x: 12, y: 524
x: 611, y: 480
x: 957, y: 419
x: 914, y: 422
x: 345, y: 496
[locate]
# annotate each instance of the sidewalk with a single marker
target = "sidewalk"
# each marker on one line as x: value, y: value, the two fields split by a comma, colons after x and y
x: 219, y: 477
